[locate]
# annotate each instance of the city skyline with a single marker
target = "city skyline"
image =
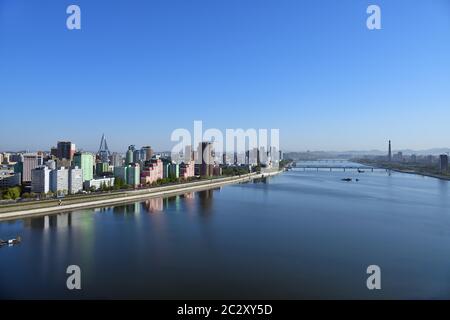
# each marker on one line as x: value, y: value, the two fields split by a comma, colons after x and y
x: 123, y: 151
x: 314, y: 72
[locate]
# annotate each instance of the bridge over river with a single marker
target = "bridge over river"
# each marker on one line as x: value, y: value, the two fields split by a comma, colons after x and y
x: 333, y: 165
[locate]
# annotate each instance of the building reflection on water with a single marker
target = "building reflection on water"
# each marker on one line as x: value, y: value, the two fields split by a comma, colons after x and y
x: 46, y: 222
x: 205, y: 202
x: 186, y: 202
x: 130, y: 208
x: 154, y: 205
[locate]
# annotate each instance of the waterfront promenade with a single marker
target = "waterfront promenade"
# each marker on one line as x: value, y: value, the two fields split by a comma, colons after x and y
x: 106, y: 199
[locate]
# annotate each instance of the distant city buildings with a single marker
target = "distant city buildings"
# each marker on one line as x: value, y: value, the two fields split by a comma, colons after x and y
x: 133, y: 174
x: 147, y: 152
x: 152, y: 171
x: 85, y: 161
x: 59, y: 180
x: 121, y: 173
x: 64, y: 170
x: 75, y: 180
x: 129, y: 155
x: 103, y: 151
x: 187, y: 169
x: 103, y: 169
x: 30, y: 162
x: 40, y: 180
x: 97, y: 183
x: 398, y: 157
x: 443, y: 163
x: 65, y: 150
x: 116, y: 159
x: 206, y: 158
x: 9, y: 179
x: 389, y: 152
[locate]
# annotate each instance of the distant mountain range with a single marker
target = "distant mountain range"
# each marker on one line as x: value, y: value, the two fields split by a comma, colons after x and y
x: 359, y: 153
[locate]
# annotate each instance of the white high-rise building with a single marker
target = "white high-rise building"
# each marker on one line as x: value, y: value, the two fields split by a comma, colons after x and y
x: 59, y: 180
x: 75, y: 180
x: 40, y: 179
x: 51, y: 164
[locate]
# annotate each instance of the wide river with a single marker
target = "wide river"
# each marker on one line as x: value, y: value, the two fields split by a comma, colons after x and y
x: 301, y: 234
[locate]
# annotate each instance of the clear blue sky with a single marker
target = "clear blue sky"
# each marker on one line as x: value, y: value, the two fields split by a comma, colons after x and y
x: 139, y: 69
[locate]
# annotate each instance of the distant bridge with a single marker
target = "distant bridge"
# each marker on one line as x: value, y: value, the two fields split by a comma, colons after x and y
x: 331, y: 168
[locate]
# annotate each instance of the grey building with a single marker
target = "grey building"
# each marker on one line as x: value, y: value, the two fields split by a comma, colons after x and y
x: 65, y: 150
x: 205, y: 158
x: 116, y: 159
x: 10, y: 180
x: 147, y: 153
x: 121, y: 172
x: 40, y: 179
x: 443, y: 163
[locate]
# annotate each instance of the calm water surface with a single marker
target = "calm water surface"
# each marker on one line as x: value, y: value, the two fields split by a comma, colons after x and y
x: 302, y: 234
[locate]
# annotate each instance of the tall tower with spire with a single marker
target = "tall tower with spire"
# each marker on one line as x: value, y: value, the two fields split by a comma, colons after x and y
x: 390, y: 152
x: 103, y: 151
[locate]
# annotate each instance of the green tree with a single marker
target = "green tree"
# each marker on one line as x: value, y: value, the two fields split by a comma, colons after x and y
x: 12, y: 193
x: 118, y: 183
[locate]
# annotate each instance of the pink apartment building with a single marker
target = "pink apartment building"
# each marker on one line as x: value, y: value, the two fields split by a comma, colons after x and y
x: 152, y: 172
x: 187, y: 169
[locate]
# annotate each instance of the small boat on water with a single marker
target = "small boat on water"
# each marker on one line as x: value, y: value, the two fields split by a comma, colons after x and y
x: 11, y: 242
x: 347, y: 179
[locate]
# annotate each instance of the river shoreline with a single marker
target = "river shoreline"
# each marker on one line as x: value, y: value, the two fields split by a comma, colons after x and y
x: 430, y: 175
x: 408, y: 171
x: 129, y: 196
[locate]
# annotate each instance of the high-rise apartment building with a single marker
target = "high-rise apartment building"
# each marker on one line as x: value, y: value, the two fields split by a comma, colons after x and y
x: 133, y: 174
x: 116, y: 159
x: 65, y: 150
x: 148, y: 152
x: 30, y: 162
x: 59, y: 180
x: 129, y: 156
x: 205, y: 153
x: 40, y: 179
x: 85, y: 161
x: 122, y: 173
x: 75, y: 180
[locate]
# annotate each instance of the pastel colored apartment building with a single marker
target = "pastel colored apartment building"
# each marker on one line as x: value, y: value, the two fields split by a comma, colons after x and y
x: 153, y: 170
x: 187, y: 169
